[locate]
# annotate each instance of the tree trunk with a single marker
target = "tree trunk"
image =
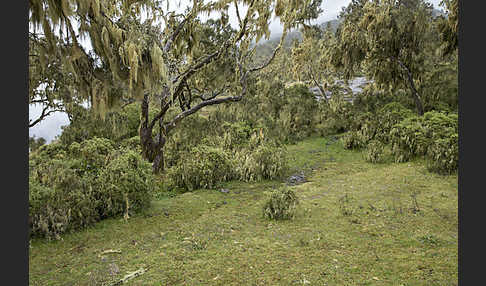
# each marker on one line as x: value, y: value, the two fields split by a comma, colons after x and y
x: 415, y: 94
x: 152, y: 150
x: 158, y: 164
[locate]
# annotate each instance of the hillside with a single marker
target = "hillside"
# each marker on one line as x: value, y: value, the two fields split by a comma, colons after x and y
x: 357, y: 223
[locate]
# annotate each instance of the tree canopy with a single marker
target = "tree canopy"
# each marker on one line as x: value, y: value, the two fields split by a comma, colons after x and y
x: 142, y: 50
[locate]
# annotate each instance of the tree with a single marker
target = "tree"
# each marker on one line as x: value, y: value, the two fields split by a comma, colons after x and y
x: 448, y: 27
x: 310, y: 58
x: 142, y: 50
x: 35, y: 143
x: 389, y: 39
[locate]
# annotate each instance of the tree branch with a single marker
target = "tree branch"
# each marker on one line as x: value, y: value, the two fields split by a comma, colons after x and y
x: 182, y: 115
x: 43, y: 115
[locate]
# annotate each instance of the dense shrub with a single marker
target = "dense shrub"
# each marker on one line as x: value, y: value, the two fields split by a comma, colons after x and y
x: 408, y: 139
x: 266, y: 161
x: 59, y: 199
x: 281, y: 205
x: 203, y: 167
x: 433, y: 135
x: 236, y: 134
x: 375, y: 152
x: 353, y: 140
x: 94, y: 152
x: 444, y: 155
x: 378, y: 126
x: 72, y: 189
x: 116, y: 126
x: 387, y: 117
x: 132, y: 143
x: 124, y: 184
x: 335, y: 115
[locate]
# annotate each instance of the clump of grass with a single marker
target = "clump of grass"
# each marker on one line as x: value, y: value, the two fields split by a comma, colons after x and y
x: 281, y: 205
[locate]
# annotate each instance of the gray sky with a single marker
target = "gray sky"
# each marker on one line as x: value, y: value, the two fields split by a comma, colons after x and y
x: 51, y: 125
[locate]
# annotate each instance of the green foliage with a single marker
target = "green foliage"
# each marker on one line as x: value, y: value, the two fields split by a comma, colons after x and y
x: 375, y: 152
x: 124, y: 184
x: 202, y: 167
x: 353, y: 140
x: 117, y: 125
x: 297, y: 117
x: 379, y: 126
x: 427, y: 136
x: 35, y: 143
x: 71, y: 188
x: 265, y: 161
x: 94, y: 152
x: 281, y: 205
x: 59, y: 199
x: 444, y: 155
x: 132, y: 143
x: 408, y: 139
x: 336, y: 115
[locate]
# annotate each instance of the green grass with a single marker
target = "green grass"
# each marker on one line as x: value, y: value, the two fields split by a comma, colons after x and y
x: 357, y: 224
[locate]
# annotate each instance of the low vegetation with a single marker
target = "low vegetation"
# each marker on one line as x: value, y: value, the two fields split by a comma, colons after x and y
x: 356, y: 222
x: 195, y: 157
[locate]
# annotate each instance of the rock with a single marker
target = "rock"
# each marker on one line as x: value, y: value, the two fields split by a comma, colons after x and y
x: 296, y: 179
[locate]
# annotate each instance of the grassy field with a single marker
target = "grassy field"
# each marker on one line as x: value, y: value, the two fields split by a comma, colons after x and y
x: 357, y: 224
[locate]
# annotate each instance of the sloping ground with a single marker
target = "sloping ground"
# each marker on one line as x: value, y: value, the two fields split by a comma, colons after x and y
x: 358, y: 224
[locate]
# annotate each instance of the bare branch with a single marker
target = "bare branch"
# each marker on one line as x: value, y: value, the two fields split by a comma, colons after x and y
x: 238, y: 12
x: 43, y: 115
x: 182, y: 115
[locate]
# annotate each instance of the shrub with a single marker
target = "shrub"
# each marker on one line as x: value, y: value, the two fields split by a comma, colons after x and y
x: 298, y: 113
x: 387, y: 117
x: 417, y: 136
x: 65, y: 195
x: 375, y: 152
x: 378, y: 126
x: 132, y: 143
x: 59, y: 199
x: 93, y: 151
x: 266, y: 161
x: 125, y: 184
x: 408, y: 139
x: 353, y: 140
x: 116, y: 126
x: 203, y: 167
x: 444, y: 155
x: 281, y: 205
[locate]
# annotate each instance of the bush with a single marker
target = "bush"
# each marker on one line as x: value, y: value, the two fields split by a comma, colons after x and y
x: 375, y: 152
x: 65, y: 194
x: 281, y: 205
x: 297, y: 117
x: 378, y: 126
x: 428, y: 135
x: 408, y: 139
x: 59, y: 199
x: 203, y: 167
x: 444, y: 155
x: 353, y: 140
x: 132, y: 143
x: 266, y: 161
x: 94, y: 152
x: 124, y: 185
x: 116, y: 126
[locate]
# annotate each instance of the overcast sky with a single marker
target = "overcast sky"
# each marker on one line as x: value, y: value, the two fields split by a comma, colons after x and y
x: 50, y: 127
